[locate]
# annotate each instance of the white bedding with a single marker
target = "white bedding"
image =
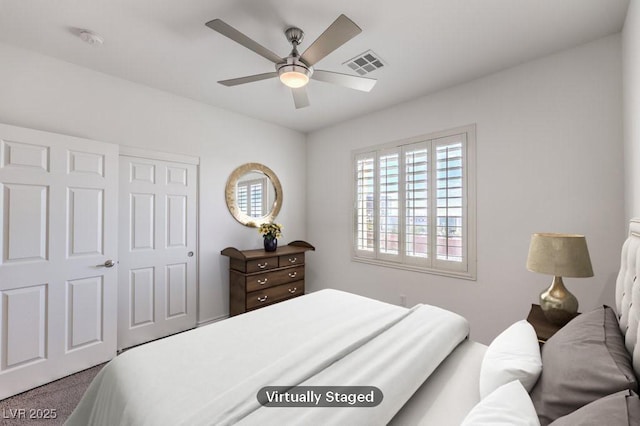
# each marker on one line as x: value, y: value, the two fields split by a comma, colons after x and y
x: 449, y: 394
x: 211, y: 375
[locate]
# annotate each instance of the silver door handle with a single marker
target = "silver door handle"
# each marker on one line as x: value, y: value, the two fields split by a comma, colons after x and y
x: 107, y: 264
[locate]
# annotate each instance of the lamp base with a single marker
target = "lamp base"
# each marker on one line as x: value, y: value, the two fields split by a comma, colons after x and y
x: 558, y: 304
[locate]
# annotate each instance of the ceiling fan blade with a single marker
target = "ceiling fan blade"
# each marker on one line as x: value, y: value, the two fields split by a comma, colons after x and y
x: 351, y: 81
x: 341, y: 31
x: 248, y: 79
x: 300, y: 97
x: 235, y: 35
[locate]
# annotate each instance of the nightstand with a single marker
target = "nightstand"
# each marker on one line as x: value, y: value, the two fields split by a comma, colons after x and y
x: 544, y: 329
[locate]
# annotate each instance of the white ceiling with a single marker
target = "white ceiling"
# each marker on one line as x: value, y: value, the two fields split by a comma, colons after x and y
x: 427, y: 45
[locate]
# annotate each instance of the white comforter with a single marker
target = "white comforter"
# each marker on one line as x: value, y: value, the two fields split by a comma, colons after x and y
x: 211, y: 375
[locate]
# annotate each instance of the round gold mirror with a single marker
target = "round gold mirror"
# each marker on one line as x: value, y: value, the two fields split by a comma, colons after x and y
x: 253, y: 194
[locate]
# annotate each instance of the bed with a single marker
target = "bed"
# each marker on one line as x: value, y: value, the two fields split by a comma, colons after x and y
x: 420, y: 359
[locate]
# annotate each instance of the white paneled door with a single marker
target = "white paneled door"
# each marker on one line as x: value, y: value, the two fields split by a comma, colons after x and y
x: 58, y: 234
x: 157, y: 271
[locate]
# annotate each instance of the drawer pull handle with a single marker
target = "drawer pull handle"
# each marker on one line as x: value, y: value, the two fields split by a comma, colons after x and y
x: 293, y: 260
x: 263, y: 282
x: 293, y: 274
x: 263, y: 265
x: 293, y: 290
x: 262, y: 298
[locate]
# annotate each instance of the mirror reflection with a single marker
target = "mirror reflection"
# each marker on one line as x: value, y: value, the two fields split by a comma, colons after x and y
x: 253, y: 194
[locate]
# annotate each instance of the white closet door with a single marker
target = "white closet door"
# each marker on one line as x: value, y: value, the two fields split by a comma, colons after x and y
x: 58, y: 234
x: 157, y: 271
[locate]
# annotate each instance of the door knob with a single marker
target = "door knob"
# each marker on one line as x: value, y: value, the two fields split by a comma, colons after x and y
x: 107, y: 264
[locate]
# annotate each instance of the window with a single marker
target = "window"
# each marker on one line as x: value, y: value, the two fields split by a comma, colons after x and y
x: 415, y: 204
x: 251, y: 197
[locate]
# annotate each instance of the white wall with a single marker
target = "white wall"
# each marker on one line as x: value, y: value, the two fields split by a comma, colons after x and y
x: 549, y: 158
x: 43, y: 93
x: 631, y: 84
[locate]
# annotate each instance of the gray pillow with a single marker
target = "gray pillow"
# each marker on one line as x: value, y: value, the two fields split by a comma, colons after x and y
x: 584, y: 361
x: 619, y: 409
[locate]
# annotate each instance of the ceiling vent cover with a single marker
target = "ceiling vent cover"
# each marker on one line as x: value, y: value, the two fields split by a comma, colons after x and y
x: 365, y: 62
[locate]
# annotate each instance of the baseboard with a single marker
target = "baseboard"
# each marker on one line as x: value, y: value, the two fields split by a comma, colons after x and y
x: 211, y: 320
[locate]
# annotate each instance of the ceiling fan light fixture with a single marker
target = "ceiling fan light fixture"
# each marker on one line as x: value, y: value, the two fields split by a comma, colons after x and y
x: 295, y: 70
x: 294, y: 76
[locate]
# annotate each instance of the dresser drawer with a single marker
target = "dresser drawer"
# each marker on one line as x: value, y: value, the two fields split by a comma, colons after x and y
x: 254, y: 265
x: 279, y: 293
x: 269, y: 279
x: 259, y: 265
x: 291, y: 259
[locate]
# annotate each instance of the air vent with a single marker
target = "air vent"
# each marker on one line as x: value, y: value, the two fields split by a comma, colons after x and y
x: 365, y: 63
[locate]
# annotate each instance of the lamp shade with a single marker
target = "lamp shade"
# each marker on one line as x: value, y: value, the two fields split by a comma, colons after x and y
x: 561, y: 255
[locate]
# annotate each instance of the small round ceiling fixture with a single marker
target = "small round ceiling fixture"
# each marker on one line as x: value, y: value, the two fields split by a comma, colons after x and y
x: 294, y: 73
x: 91, y: 38
x: 294, y: 76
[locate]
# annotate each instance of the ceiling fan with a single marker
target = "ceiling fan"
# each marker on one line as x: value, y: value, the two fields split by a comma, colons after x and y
x: 295, y: 70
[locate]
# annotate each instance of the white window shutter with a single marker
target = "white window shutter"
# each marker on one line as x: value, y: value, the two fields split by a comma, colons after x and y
x: 414, y: 204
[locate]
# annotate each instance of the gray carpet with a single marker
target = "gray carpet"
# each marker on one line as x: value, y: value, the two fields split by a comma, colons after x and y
x: 62, y: 396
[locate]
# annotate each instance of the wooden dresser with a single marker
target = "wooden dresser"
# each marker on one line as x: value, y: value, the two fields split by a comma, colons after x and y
x: 260, y: 278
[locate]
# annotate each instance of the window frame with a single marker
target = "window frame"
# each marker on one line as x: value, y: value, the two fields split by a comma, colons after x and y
x: 467, y: 269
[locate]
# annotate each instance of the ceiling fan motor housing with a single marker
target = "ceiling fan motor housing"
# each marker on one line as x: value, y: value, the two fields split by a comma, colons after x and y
x: 294, y: 64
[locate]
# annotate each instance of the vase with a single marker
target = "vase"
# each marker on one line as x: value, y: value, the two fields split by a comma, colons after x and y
x: 270, y: 244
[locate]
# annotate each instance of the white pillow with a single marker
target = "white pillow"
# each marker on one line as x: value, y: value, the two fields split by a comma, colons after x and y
x: 513, y: 355
x: 508, y: 405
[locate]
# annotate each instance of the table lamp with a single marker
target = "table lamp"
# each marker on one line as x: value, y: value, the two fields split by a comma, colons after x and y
x: 560, y: 255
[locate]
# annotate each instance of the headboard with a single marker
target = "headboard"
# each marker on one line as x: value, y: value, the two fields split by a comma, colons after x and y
x: 628, y: 292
